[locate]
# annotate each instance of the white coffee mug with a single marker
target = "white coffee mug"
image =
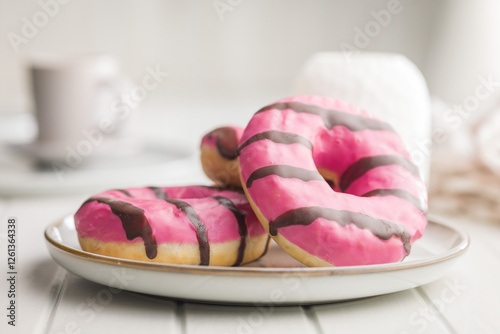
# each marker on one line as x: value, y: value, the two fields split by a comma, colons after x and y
x: 72, y: 94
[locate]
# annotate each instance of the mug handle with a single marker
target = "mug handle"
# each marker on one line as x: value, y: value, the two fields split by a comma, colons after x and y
x: 117, y: 105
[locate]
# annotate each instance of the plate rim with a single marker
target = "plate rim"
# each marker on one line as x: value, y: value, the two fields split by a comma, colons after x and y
x: 456, y: 251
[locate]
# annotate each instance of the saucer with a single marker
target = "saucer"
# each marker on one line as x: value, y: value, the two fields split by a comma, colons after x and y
x: 25, y: 170
x: 47, y: 152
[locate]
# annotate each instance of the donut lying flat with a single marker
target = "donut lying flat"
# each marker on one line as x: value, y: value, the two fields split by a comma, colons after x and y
x: 218, y: 155
x: 331, y: 184
x: 178, y: 225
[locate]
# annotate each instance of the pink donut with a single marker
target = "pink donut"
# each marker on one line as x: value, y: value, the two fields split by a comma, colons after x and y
x: 179, y: 225
x: 219, y: 155
x: 331, y: 184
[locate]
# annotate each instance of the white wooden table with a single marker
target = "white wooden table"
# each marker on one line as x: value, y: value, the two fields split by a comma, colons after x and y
x: 51, y: 300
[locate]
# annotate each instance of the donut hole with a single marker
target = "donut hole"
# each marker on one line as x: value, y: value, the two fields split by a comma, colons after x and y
x: 330, y: 165
x: 330, y: 177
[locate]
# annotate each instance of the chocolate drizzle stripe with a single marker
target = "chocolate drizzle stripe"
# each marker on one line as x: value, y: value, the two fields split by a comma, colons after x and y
x: 226, y: 142
x: 125, y: 192
x: 201, y: 230
x: 134, y: 222
x: 159, y: 192
x: 363, y: 165
x: 228, y: 188
x: 419, y: 204
x: 266, y: 248
x: 284, y: 171
x: 277, y: 137
x: 381, y: 228
x: 332, y: 117
x: 242, y: 226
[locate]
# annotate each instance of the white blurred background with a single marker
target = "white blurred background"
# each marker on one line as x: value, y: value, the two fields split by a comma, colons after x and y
x: 234, y: 56
x: 204, y: 43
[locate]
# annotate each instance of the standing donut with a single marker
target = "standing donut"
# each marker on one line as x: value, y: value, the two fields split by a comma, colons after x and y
x: 332, y: 185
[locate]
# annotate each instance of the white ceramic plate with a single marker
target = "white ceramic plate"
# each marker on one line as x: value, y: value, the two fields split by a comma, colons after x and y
x: 275, y: 279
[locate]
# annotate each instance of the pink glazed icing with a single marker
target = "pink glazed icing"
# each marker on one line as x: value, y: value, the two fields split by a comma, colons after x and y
x: 225, y: 140
x: 157, y: 215
x: 370, y: 212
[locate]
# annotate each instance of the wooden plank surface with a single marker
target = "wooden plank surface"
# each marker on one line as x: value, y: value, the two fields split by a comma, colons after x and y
x: 393, y: 313
x: 87, y: 307
x: 39, y: 277
x: 468, y: 298
x: 207, y: 319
